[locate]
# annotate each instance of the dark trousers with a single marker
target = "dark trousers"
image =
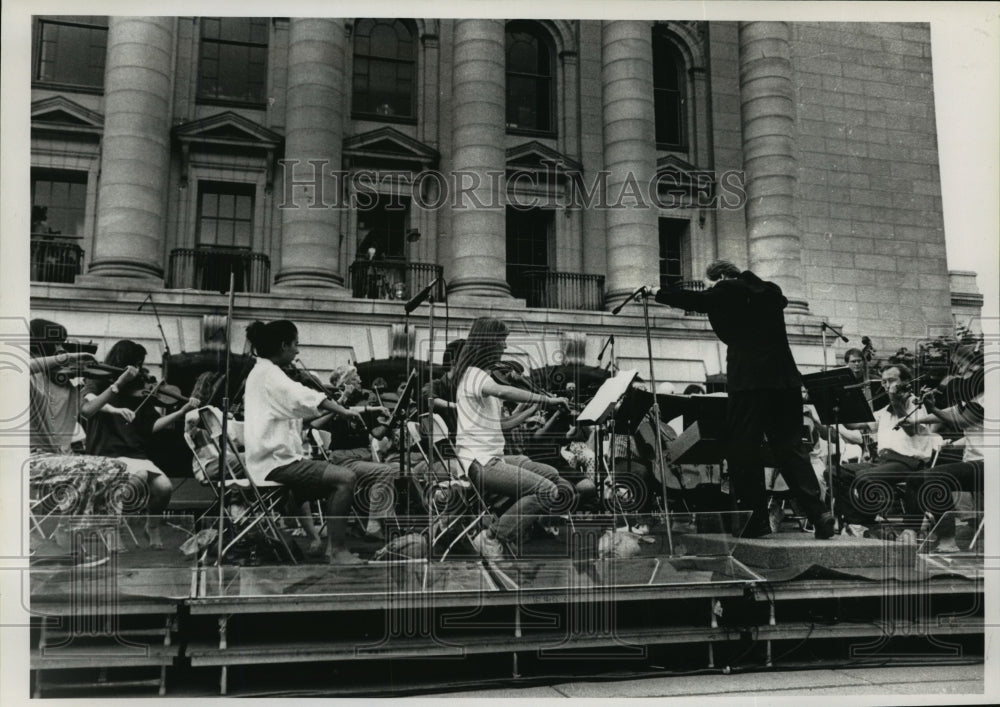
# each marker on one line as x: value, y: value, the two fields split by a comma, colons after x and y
x: 777, y: 414
x: 930, y: 490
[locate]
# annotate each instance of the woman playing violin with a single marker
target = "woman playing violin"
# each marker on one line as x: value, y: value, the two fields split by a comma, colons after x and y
x: 538, y: 488
x: 275, y: 406
x: 121, y: 424
x: 54, y: 398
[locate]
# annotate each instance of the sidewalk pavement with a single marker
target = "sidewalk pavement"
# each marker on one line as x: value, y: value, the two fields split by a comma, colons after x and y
x: 940, y: 680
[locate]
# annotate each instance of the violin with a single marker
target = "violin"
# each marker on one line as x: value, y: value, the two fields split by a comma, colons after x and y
x: 511, y: 373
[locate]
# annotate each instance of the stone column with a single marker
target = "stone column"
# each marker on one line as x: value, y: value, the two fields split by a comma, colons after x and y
x: 478, y: 239
x: 630, y: 156
x: 310, y: 229
x: 768, y: 121
x: 135, y: 157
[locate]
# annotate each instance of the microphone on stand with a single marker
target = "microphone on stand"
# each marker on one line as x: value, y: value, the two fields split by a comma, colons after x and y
x: 421, y: 296
x: 641, y: 291
x: 149, y: 296
x: 609, y: 342
x: 838, y: 333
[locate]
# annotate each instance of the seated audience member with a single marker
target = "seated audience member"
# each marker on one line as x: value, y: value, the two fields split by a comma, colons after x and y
x: 274, y: 408
x: 865, y: 489
x: 121, y: 423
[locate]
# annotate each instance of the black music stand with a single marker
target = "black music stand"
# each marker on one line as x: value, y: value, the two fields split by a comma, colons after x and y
x: 838, y: 400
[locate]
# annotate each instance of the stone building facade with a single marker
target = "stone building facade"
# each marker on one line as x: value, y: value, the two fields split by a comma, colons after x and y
x: 544, y: 168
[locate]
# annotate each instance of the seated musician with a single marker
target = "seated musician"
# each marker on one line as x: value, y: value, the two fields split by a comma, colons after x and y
x: 441, y: 393
x: 351, y: 448
x: 274, y: 408
x: 932, y: 490
x: 537, y: 488
x: 121, y: 423
x: 54, y: 398
x: 901, y: 452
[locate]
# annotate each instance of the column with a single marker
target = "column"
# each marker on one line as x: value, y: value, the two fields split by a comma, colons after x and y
x: 310, y: 228
x: 135, y: 157
x: 630, y: 157
x: 478, y: 239
x: 768, y: 121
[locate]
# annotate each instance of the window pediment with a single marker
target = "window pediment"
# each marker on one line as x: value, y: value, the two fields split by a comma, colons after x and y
x: 535, y: 157
x: 388, y: 145
x: 60, y: 114
x: 227, y: 128
x: 679, y: 177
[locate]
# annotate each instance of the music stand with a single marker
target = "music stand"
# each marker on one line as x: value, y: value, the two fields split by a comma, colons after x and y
x: 837, y: 399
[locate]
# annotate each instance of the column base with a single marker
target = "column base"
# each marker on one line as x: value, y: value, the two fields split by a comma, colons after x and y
x: 304, y: 279
x: 124, y: 269
x: 478, y: 288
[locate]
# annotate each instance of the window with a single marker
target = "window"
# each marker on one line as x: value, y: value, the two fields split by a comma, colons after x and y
x: 225, y: 214
x: 530, y: 78
x: 384, y: 69
x: 672, y: 237
x: 233, y: 61
x: 384, y: 229
x: 668, y: 93
x: 527, y: 251
x: 70, y: 50
x: 58, y: 201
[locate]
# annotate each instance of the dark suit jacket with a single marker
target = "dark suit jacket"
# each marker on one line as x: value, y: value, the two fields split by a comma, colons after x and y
x: 747, y: 314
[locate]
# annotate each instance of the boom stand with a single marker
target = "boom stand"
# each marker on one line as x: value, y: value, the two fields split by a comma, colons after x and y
x: 837, y: 400
x: 656, y: 418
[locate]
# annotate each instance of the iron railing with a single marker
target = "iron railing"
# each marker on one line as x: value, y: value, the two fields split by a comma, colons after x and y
x: 393, y: 279
x: 55, y: 258
x: 207, y: 268
x: 563, y: 290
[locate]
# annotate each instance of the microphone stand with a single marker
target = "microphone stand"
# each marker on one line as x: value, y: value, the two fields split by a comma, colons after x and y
x: 224, y: 441
x: 644, y: 293
x: 163, y: 337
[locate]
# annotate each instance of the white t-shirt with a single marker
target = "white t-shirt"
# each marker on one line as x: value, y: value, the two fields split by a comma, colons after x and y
x: 919, y: 445
x: 478, y: 436
x: 274, y: 406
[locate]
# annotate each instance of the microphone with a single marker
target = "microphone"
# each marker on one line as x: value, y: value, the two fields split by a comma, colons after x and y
x: 641, y: 291
x: 421, y: 296
x: 840, y: 334
x: 609, y: 342
x: 149, y: 296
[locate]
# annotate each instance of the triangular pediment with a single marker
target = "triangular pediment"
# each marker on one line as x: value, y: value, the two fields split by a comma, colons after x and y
x: 227, y: 128
x: 388, y: 144
x: 60, y: 113
x: 536, y: 156
x: 674, y: 174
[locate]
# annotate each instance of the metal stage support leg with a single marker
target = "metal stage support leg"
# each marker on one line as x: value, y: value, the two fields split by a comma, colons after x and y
x: 714, y: 623
x: 223, y: 644
x: 770, y: 622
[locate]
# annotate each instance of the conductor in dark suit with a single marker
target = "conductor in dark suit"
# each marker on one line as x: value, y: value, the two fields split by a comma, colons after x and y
x: 764, y: 387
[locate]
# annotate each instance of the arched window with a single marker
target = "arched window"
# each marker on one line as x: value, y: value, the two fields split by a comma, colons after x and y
x: 669, y: 93
x: 385, y: 69
x: 531, y: 72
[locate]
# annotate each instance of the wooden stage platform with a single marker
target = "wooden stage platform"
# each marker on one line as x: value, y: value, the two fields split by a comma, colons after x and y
x: 156, y: 618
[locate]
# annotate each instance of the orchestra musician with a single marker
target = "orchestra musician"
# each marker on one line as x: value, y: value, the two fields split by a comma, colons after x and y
x: 764, y: 385
x: 121, y: 423
x: 537, y: 488
x: 274, y: 408
x: 351, y: 448
x: 54, y: 399
x: 905, y: 446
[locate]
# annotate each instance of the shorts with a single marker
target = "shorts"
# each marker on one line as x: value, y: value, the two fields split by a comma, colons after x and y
x: 306, y: 478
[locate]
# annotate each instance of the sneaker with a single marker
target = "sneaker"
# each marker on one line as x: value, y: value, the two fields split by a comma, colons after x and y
x: 825, y: 526
x: 487, y: 545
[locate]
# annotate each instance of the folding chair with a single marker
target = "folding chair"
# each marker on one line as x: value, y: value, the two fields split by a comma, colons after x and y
x: 261, y: 501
